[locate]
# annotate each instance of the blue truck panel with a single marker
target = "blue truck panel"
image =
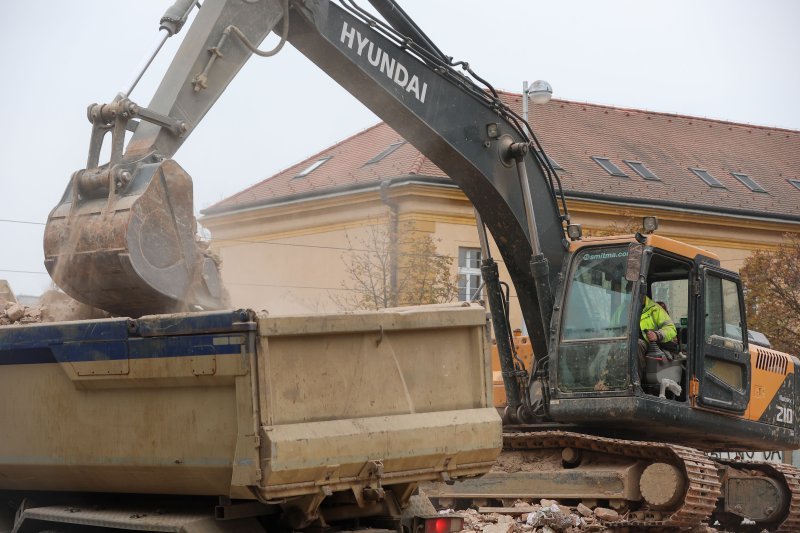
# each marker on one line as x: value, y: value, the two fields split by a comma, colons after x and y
x: 122, y: 338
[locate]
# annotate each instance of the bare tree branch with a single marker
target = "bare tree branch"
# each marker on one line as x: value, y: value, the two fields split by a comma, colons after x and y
x: 423, y: 275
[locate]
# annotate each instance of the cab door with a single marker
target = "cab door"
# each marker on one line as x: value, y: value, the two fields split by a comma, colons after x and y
x: 723, y: 362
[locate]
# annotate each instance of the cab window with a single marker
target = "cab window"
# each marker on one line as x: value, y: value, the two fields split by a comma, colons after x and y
x: 723, y: 309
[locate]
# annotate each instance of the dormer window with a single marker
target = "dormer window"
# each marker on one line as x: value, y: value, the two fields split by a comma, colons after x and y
x: 609, y: 167
x: 748, y: 182
x: 642, y: 170
x: 312, y: 167
x: 710, y: 180
x: 552, y: 161
x: 391, y: 148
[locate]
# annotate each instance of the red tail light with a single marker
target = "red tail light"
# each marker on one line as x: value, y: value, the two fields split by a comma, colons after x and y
x: 444, y: 524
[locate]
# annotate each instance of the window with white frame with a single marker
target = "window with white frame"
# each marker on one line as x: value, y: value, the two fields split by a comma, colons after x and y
x: 469, y: 273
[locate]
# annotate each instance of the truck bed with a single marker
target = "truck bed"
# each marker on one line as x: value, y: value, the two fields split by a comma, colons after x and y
x: 247, y: 406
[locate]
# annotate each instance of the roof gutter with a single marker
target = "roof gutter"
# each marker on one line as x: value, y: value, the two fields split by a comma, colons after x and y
x: 212, y: 212
x: 680, y: 207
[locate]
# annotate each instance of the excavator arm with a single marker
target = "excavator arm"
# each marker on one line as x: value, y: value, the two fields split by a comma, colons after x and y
x: 463, y: 128
x: 393, y: 69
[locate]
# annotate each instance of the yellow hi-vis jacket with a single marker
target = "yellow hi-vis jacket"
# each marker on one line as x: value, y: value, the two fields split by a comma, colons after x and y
x: 654, y: 318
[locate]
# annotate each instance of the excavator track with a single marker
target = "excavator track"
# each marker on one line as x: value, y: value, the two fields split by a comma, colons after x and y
x: 701, y: 479
x: 791, y: 477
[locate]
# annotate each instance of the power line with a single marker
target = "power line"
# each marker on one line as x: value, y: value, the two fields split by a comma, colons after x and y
x: 294, y: 245
x: 274, y: 286
x: 11, y: 221
x: 338, y: 248
x: 24, y: 272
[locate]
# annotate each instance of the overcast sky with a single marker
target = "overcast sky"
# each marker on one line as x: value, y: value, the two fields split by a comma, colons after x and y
x: 734, y: 60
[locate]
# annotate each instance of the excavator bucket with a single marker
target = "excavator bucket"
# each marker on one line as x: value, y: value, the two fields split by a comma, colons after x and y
x: 123, y: 236
x: 124, y: 240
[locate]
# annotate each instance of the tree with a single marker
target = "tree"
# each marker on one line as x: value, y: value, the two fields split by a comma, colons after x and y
x: 389, y: 268
x: 772, y: 294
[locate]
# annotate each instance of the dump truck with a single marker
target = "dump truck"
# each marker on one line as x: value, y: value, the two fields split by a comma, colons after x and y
x: 230, y: 419
x: 122, y: 238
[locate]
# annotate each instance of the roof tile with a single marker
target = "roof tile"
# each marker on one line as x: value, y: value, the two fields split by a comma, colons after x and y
x: 572, y: 132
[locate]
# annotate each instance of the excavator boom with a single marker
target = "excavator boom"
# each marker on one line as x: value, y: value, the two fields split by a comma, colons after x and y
x: 127, y: 227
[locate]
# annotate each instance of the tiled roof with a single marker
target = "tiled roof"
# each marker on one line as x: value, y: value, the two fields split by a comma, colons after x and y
x: 573, y: 132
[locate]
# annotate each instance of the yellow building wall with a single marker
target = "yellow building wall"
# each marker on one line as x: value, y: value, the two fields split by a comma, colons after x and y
x: 289, y: 258
x: 300, y: 274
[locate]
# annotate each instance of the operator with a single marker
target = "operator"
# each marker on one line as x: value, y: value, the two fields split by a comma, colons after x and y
x: 655, y: 325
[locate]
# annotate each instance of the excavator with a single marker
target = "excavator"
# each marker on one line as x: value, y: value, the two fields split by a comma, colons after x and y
x: 585, y: 419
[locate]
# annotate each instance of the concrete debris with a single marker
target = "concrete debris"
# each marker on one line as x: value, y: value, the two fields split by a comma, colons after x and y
x: 53, y: 306
x: 548, y: 516
x: 505, y: 524
x: 15, y: 311
x: 583, y: 510
x: 553, y: 516
x: 609, y: 515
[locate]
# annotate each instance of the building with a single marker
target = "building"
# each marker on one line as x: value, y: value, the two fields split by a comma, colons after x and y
x: 730, y: 188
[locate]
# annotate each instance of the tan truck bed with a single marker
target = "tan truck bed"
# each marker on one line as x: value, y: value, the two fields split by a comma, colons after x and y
x: 275, y: 407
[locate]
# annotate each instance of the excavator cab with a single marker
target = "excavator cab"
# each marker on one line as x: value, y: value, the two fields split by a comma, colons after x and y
x: 601, y: 321
x: 709, y: 378
x: 595, y: 327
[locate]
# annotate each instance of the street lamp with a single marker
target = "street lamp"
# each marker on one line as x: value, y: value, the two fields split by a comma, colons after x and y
x: 539, y: 92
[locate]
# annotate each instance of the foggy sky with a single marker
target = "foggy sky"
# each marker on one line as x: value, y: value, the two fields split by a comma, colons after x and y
x: 733, y: 60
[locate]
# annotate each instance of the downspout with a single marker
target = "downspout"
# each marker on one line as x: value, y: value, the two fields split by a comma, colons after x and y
x: 393, y: 232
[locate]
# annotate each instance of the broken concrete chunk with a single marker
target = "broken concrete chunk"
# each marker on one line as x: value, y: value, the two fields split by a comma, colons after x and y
x: 609, y: 515
x: 14, y: 312
x: 584, y: 511
x: 500, y: 527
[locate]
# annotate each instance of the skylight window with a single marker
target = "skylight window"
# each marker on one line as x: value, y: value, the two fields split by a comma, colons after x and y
x: 609, y: 167
x: 312, y: 167
x: 387, y: 151
x: 552, y: 162
x: 796, y: 183
x: 642, y: 170
x: 748, y: 182
x: 710, y: 180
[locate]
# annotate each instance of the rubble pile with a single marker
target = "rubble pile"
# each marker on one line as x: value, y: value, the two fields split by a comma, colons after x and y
x: 16, y: 313
x: 547, y: 516
x: 53, y: 306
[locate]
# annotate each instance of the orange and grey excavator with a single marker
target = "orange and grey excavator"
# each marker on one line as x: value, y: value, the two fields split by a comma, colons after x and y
x: 594, y: 422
